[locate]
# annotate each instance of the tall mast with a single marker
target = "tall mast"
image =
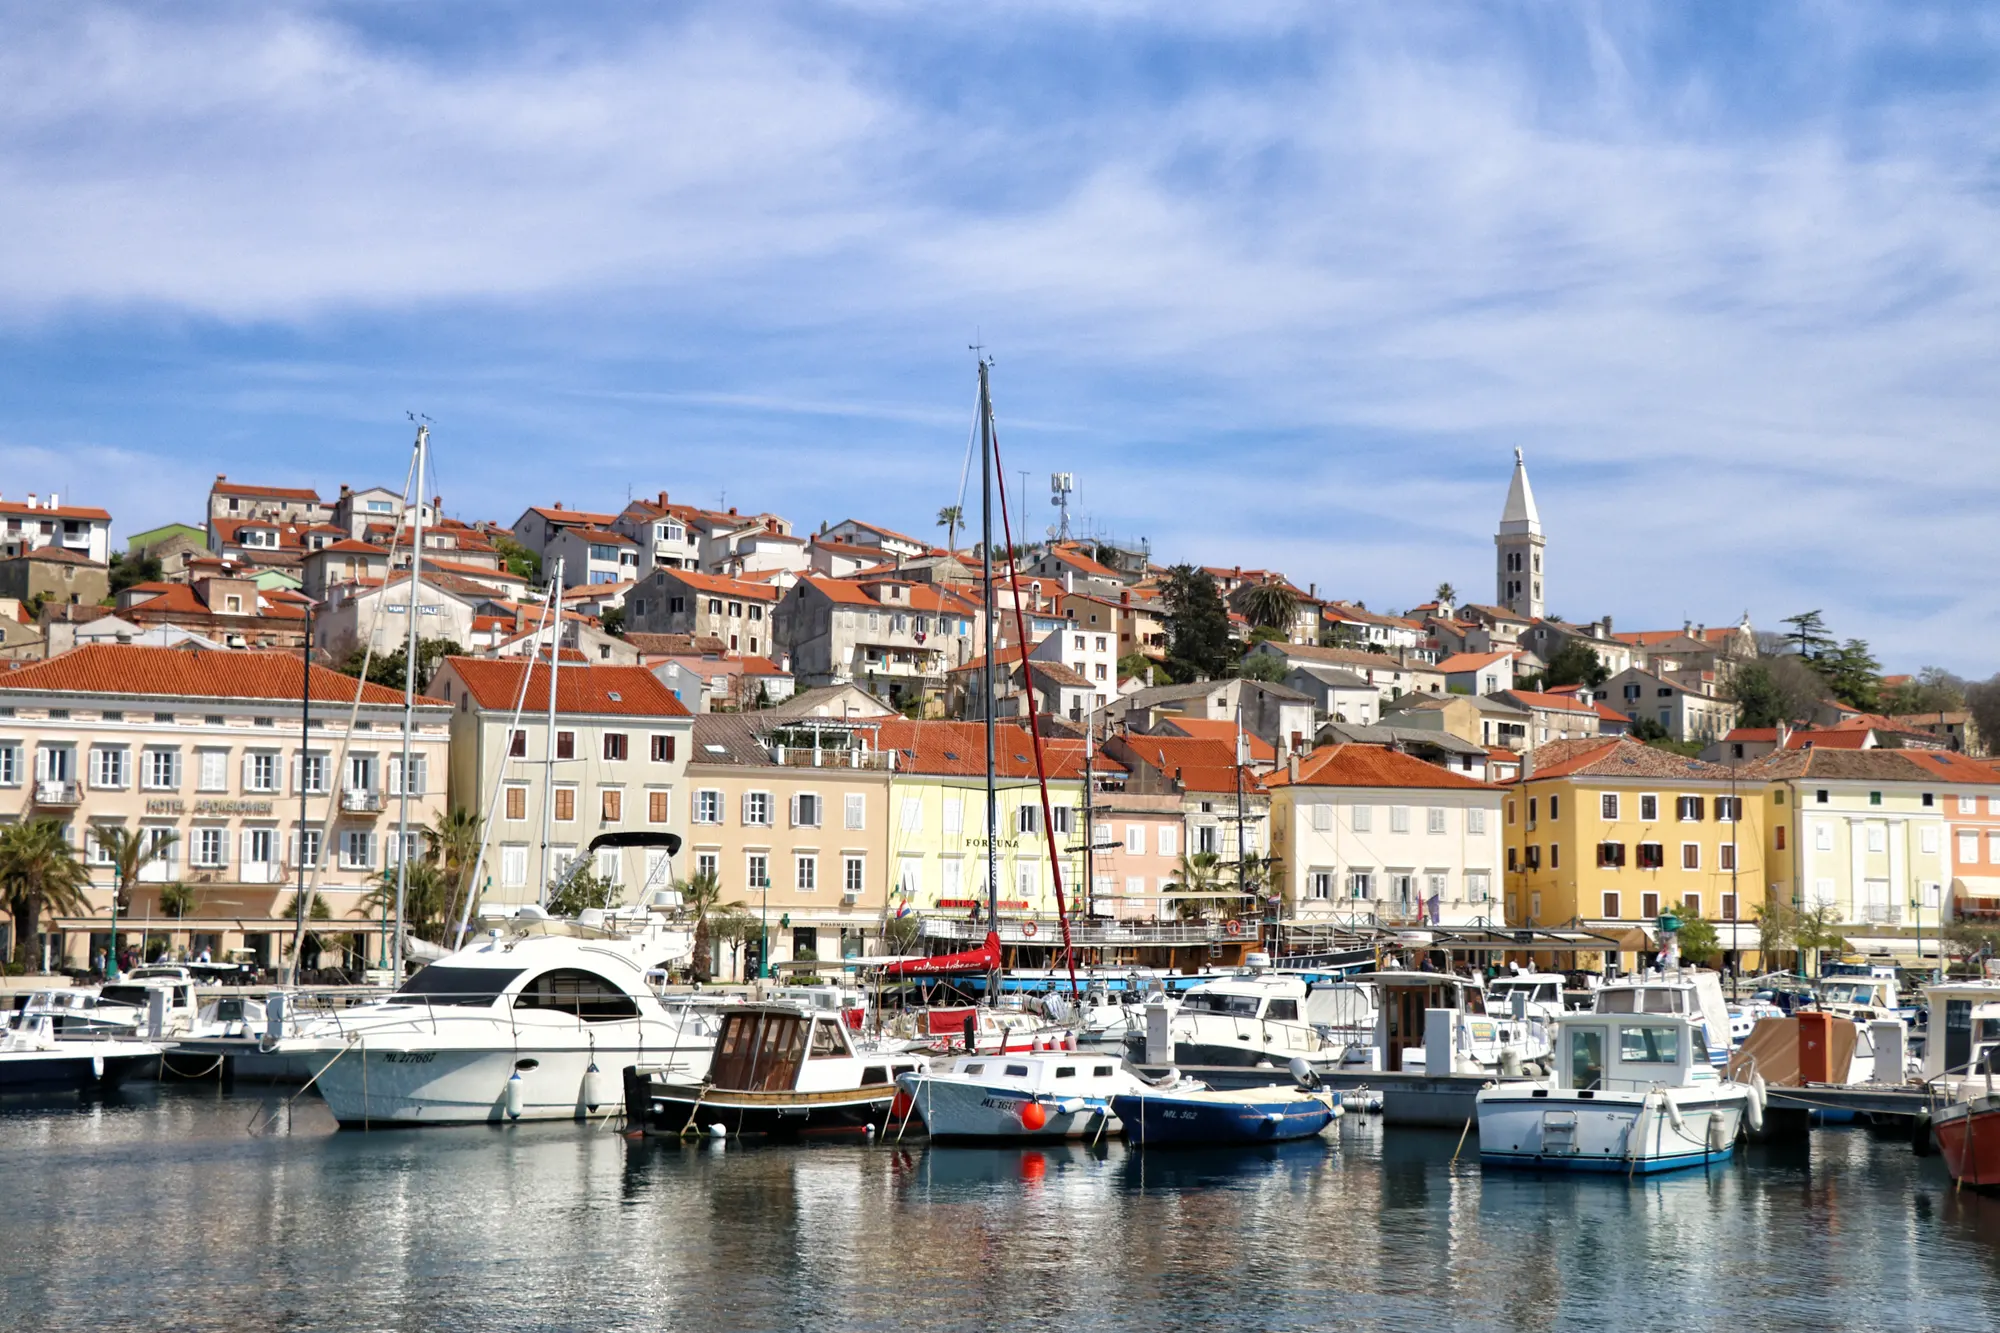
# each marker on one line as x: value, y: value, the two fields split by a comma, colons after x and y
x: 986, y: 590
x: 299, y: 901
x: 409, y: 706
x: 1089, y: 800
x: 549, y: 763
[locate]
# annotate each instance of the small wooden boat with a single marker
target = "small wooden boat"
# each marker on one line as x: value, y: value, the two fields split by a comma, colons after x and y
x: 777, y: 1069
x: 1217, y: 1117
x: 1968, y: 1137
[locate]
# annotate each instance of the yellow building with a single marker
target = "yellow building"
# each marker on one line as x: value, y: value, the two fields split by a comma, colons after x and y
x: 1607, y: 834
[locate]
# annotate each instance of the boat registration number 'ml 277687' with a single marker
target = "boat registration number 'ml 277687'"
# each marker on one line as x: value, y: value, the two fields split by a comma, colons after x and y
x: 408, y: 1057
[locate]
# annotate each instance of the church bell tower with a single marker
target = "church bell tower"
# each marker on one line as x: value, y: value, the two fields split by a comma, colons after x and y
x: 1519, y: 553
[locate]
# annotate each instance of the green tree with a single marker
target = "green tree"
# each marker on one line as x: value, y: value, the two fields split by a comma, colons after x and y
x: 1262, y: 666
x: 1853, y: 674
x: 1932, y: 690
x: 701, y: 896
x: 1818, y: 929
x: 1700, y: 945
x: 426, y: 898
x: 1199, y: 878
x: 1770, y: 690
x: 581, y: 892
x: 131, y: 568
x: 1137, y: 664
x: 1777, y: 929
x: 735, y: 926
x: 899, y: 933
x: 613, y: 620
x: 1576, y: 663
x: 1445, y: 595
x: 178, y: 900
x: 388, y: 668
x: 316, y: 910
x: 519, y: 559
x: 1808, y: 636
x: 1198, y: 646
x: 129, y: 852
x: 951, y: 518
x: 39, y: 872
x: 1271, y: 604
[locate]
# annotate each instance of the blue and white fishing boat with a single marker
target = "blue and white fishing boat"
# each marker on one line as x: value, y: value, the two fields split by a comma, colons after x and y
x: 1633, y: 1093
x: 1221, y: 1117
x: 1055, y: 1094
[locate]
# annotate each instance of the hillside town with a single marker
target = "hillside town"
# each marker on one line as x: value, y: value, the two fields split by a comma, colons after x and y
x: 204, y: 719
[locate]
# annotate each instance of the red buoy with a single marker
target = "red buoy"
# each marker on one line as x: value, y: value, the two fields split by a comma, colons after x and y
x: 1033, y: 1116
x: 899, y: 1107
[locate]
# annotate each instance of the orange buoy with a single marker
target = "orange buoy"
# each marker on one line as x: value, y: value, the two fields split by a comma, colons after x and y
x: 1033, y: 1116
x: 899, y: 1106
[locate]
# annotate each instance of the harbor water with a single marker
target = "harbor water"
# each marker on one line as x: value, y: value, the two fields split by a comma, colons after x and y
x: 159, y: 1208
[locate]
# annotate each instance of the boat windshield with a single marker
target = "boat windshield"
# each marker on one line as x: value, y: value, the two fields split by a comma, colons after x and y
x: 475, y: 987
x: 1215, y: 1002
x: 1850, y: 993
x: 1649, y: 1045
x: 136, y: 996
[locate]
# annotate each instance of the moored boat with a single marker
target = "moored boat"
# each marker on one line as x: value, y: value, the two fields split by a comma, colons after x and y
x: 1044, y: 1095
x: 33, y: 1059
x: 1218, y: 1117
x: 1968, y: 1138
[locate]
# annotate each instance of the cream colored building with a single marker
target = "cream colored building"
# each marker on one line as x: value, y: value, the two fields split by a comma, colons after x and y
x: 215, y: 747
x: 620, y: 743
x: 1364, y: 833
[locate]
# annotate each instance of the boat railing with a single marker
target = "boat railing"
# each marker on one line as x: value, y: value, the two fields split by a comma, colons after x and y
x: 1047, y: 931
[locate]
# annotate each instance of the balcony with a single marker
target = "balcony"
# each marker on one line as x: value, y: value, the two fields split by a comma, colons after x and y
x: 793, y: 756
x: 361, y: 802
x: 52, y: 792
x: 1882, y: 914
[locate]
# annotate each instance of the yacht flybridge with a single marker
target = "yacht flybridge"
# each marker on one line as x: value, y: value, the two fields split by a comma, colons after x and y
x: 533, y: 1022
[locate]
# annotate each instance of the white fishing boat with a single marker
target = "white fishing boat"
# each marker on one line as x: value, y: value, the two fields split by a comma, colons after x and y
x: 34, y: 1059
x: 1633, y: 1093
x: 1063, y: 1094
x: 1690, y: 991
x: 1256, y: 1017
x: 1481, y: 1041
x: 534, y: 1022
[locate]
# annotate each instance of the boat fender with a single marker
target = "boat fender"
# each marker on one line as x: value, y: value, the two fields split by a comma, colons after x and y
x: 1718, y: 1132
x: 517, y: 1095
x: 1673, y: 1112
x: 1033, y: 1116
x: 596, y: 1093
x: 901, y: 1105
x: 1753, y: 1105
x: 1071, y: 1105
x: 718, y: 1130
x: 97, y: 1067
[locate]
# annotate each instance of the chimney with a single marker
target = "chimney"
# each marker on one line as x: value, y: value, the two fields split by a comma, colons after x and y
x: 1125, y: 598
x: 557, y: 505
x: 663, y: 499
x: 1312, y: 590
x: 1292, y: 765
x: 54, y: 500
x: 31, y: 499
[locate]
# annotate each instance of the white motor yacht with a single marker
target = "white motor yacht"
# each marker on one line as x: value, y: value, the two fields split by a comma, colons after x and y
x: 1256, y: 1017
x: 1632, y: 1093
x: 1062, y: 1094
x: 536, y: 1021
x: 34, y: 1059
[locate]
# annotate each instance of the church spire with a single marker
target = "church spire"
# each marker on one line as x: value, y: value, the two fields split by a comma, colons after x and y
x: 1519, y: 517
x: 1520, y: 546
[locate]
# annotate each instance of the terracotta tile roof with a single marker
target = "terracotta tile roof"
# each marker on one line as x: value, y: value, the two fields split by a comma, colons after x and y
x: 349, y: 546
x: 604, y: 535
x: 1950, y: 766
x: 723, y: 587
x: 190, y: 673
x: 1070, y: 554
x: 633, y: 691
x: 573, y: 517
x: 57, y: 555
x: 1312, y: 652
x: 1828, y: 738
x: 958, y: 749
x: 1369, y: 766
x: 853, y: 550
x: 1197, y: 763
x: 461, y: 568
x: 1055, y: 673
x: 923, y: 597
x: 1618, y: 757
x: 1223, y: 730
x: 676, y: 644
x: 1461, y: 662
x: 1536, y: 699
x: 223, y: 487
x: 890, y: 533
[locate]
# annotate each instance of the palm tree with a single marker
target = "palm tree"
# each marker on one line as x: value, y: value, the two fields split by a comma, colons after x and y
x: 1199, y: 878
x: 454, y: 843
x: 177, y: 899
x: 1446, y: 595
x: 702, y: 895
x: 130, y: 851
x: 1272, y: 605
x: 426, y: 895
x: 39, y: 871
x: 951, y: 518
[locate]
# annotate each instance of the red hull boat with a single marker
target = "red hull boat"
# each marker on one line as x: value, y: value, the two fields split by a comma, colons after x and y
x: 1968, y: 1136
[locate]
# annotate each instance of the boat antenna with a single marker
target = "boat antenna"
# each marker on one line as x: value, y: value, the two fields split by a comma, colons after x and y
x: 1034, y: 720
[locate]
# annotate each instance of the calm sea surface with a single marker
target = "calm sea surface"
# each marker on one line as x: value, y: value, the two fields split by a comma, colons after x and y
x: 158, y: 1209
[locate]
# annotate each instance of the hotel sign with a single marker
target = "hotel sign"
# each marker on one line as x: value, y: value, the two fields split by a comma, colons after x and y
x: 172, y: 805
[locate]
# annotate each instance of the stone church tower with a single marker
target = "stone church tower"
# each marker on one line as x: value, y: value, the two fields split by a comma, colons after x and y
x: 1520, y: 544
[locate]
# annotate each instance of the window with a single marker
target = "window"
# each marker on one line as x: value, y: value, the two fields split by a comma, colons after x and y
x: 1993, y: 847
x: 1690, y: 856
x: 1319, y: 885
x: 805, y: 872
x: 1610, y: 854
x: 1060, y: 818
x: 1688, y: 809
x: 1878, y: 838
x: 1533, y: 857
x: 708, y: 806
x: 565, y: 804
x: 513, y: 865
x: 1434, y: 819
x: 1968, y: 845
x: 1726, y: 856
x: 107, y: 766
x: 614, y: 746
x: 1513, y: 858
x: 1729, y: 809
x: 412, y: 847
x: 516, y: 801
x: 357, y: 849
x: 912, y: 820
x: 1649, y: 808
x: 1169, y: 840
x: 10, y: 763
x: 1135, y: 839
x: 310, y: 771
x: 853, y: 874
x: 1819, y: 796
x: 1510, y: 814
x: 854, y: 810
x: 1028, y: 882
x: 260, y: 772
x: 1778, y: 836
x: 1649, y: 905
x: 1874, y: 798
x: 1607, y: 805
x: 663, y: 749
x: 517, y: 744
x: 306, y: 847
x: 160, y: 770
x: 806, y: 810
x: 1475, y: 822
x: 1555, y: 856
x: 1476, y: 886
x: 659, y: 806
x: 1555, y: 807
x: 954, y: 815
x: 574, y: 991
x: 565, y: 745
x: 420, y: 767
x: 1652, y: 856
x: 1360, y: 884
x: 1611, y: 910
x: 208, y: 847
x: 611, y: 804
x: 361, y: 772
x: 757, y: 808
x: 1206, y: 839
x: 757, y: 869
x: 1533, y: 805
x: 1322, y: 818
x: 1649, y: 1045
x: 260, y: 846
x: 1927, y: 841
x: 1027, y: 819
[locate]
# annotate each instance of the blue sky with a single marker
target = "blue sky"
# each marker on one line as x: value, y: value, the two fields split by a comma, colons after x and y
x: 1284, y: 285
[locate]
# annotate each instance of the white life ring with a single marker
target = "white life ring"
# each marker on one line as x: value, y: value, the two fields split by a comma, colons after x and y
x: 1235, y: 927
x: 1028, y: 929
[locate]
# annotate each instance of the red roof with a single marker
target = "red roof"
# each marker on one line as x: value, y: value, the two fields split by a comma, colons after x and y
x: 923, y: 597
x: 1369, y: 766
x: 1952, y: 766
x: 1221, y: 729
x: 222, y: 487
x: 191, y: 673
x: 958, y: 749
x: 726, y: 587
x: 1197, y: 763
x: 1074, y: 556
x: 573, y: 517
x: 350, y: 546
x: 495, y: 684
x: 1536, y: 699
x: 1463, y: 662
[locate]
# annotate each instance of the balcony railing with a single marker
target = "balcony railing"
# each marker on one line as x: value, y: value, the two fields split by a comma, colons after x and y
x: 792, y: 756
x: 51, y: 792
x: 361, y: 802
x: 1882, y: 914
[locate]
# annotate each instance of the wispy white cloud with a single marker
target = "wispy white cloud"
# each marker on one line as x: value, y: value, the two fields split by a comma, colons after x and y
x: 1283, y: 284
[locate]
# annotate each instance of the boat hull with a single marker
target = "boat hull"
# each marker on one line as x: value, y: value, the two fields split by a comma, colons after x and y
x: 372, y: 1085
x: 970, y: 1112
x: 674, y: 1109
x: 1207, y: 1122
x: 1968, y: 1138
x: 66, y: 1070
x: 1608, y: 1132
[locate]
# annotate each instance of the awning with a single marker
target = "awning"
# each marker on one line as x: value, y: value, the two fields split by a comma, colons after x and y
x: 983, y: 959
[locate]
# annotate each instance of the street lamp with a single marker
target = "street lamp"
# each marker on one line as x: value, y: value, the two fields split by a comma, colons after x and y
x: 764, y: 946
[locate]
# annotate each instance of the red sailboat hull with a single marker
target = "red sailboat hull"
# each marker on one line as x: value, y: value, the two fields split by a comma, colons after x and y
x: 1968, y: 1136
x: 983, y: 959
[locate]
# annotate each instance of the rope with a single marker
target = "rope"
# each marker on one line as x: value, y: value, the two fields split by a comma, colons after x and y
x: 286, y: 1105
x: 166, y: 1069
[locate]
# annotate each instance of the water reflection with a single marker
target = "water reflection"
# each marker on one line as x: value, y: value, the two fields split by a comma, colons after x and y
x: 156, y: 1208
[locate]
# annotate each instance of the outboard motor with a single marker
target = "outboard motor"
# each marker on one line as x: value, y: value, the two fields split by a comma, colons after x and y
x: 1302, y: 1074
